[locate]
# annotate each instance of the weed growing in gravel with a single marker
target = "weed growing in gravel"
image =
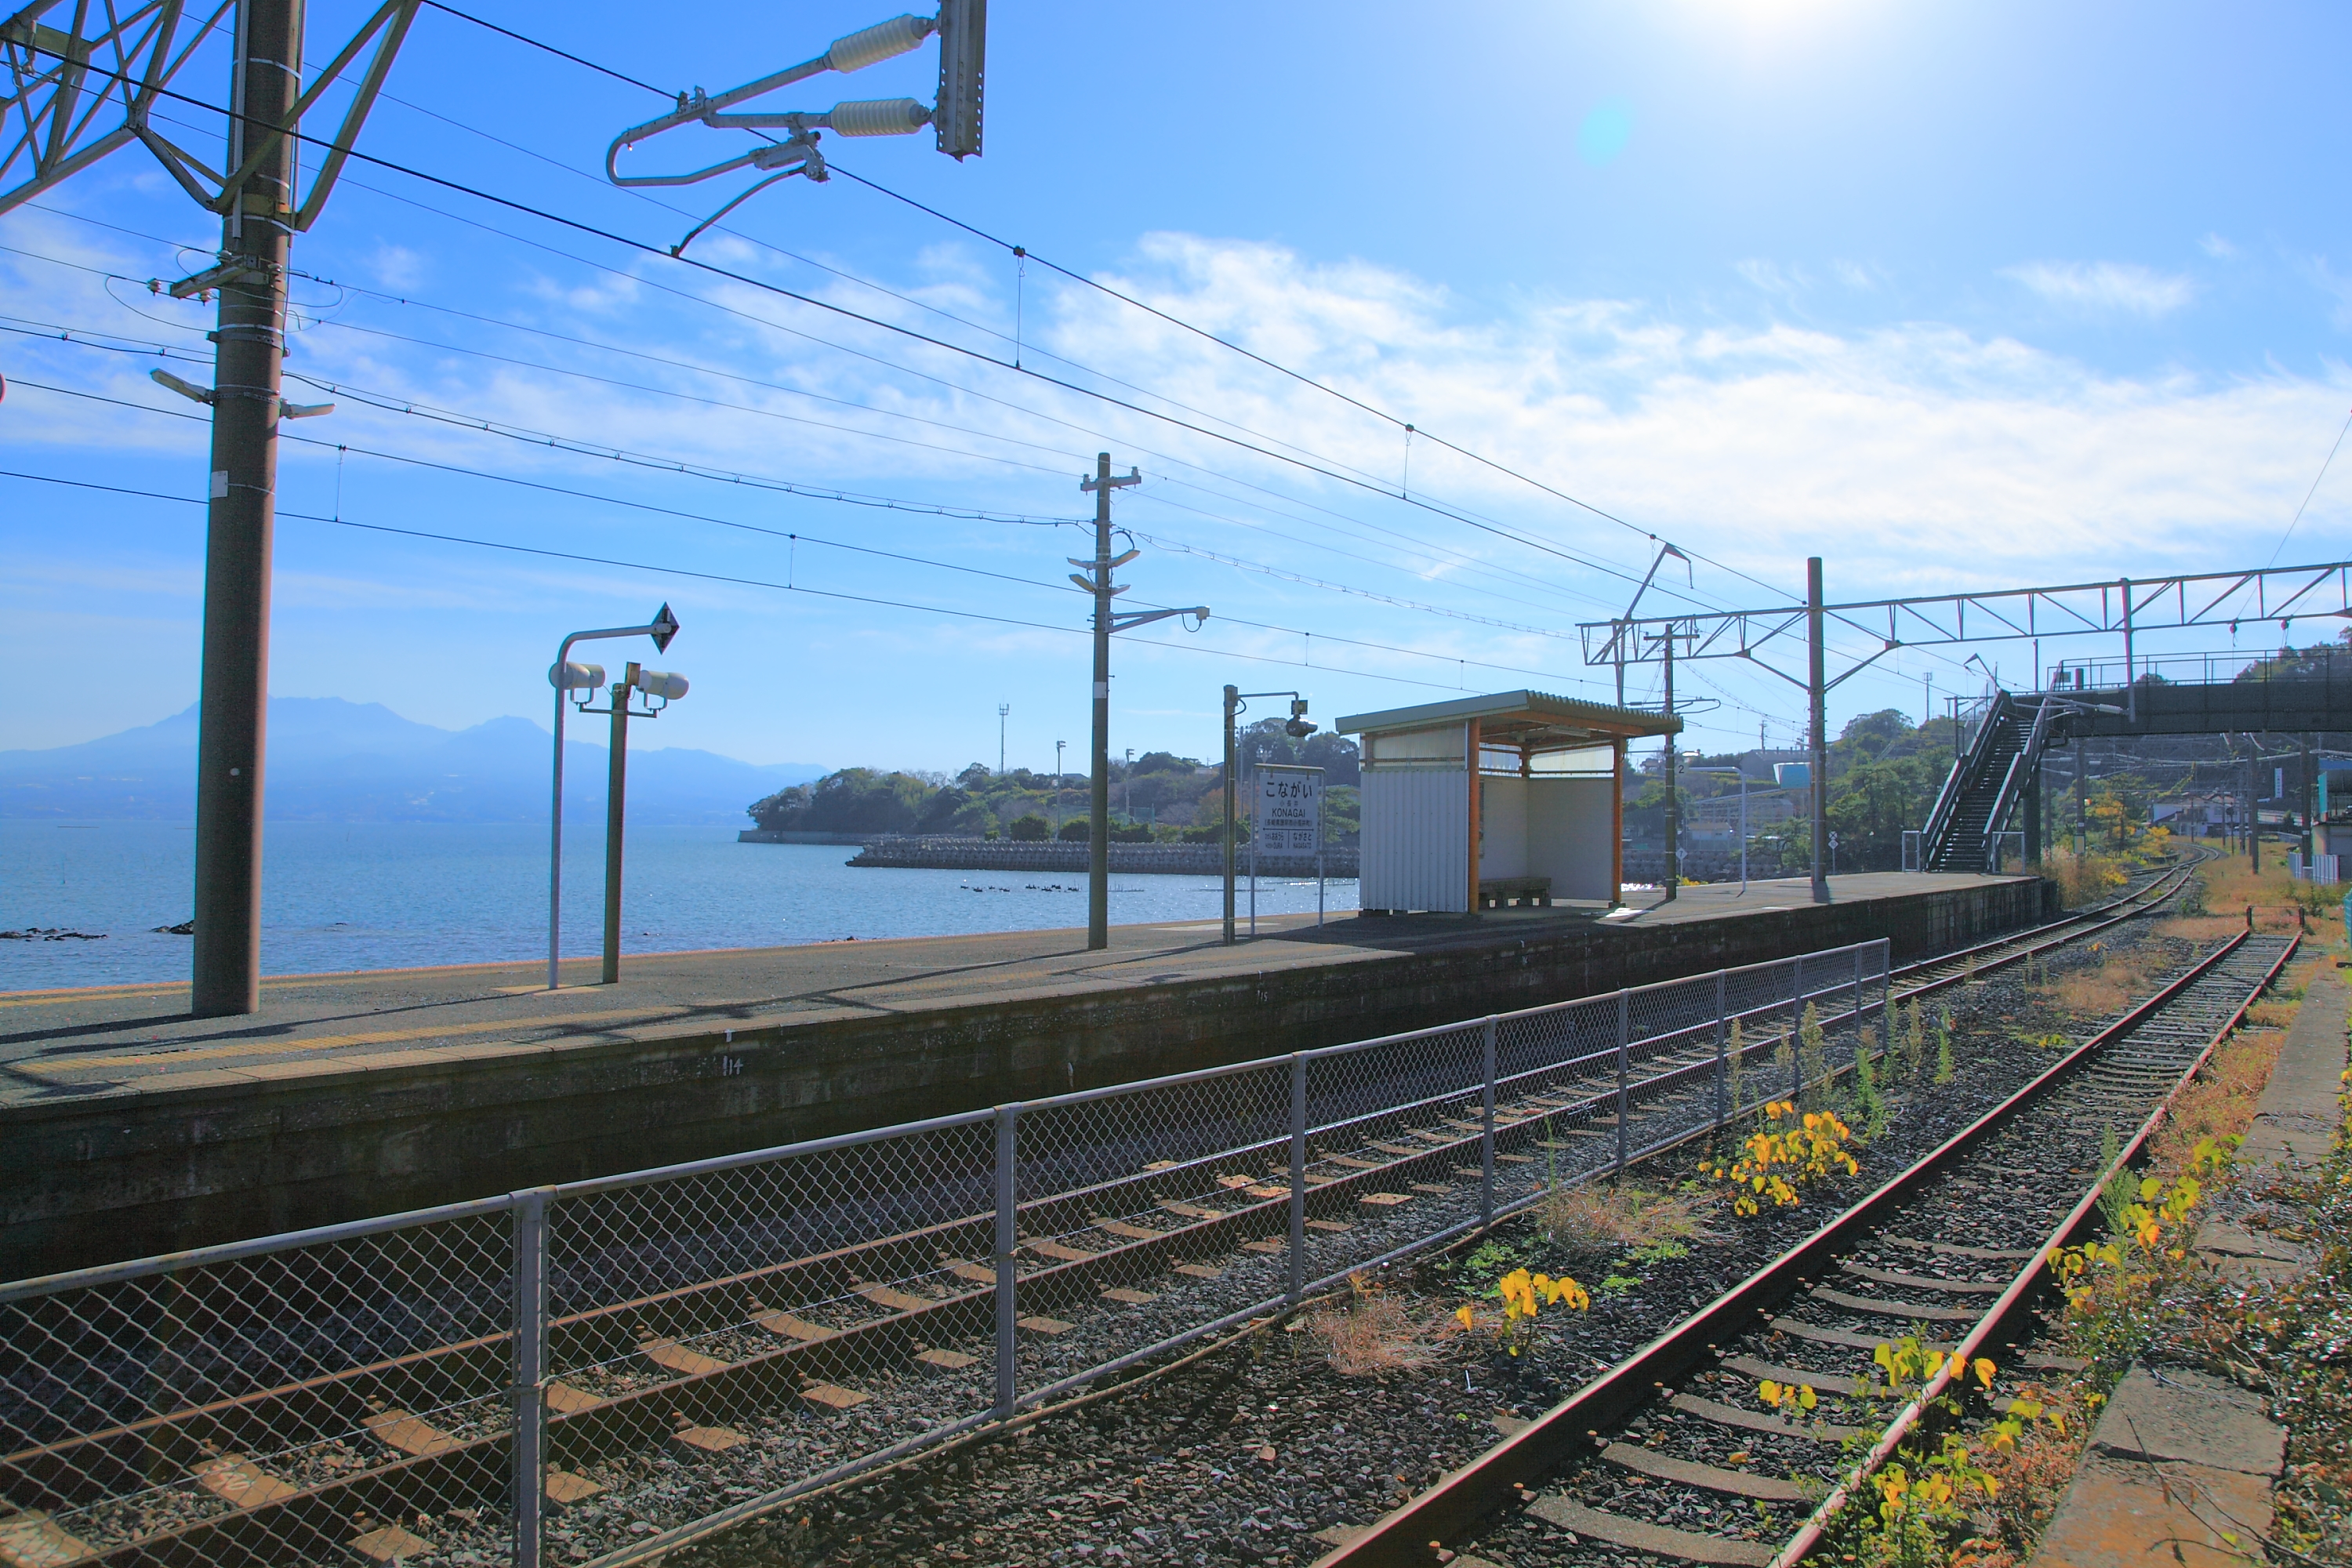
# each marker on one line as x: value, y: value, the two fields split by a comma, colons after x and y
x: 2115, y: 1288
x: 1869, y: 1102
x: 2050, y: 1042
x: 1523, y: 1296
x: 1784, y: 1396
x: 1789, y: 1153
x: 1814, y: 1045
x: 1609, y: 1219
x: 1373, y: 1334
x: 1914, y: 1042
x: 1944, y: 1050
x: 1926, y: 1501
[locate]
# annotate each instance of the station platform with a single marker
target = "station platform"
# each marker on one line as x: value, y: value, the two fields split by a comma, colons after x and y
x: 362, y: 1093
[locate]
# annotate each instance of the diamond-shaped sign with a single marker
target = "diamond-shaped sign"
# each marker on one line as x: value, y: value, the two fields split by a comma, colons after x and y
x: 665, y: 627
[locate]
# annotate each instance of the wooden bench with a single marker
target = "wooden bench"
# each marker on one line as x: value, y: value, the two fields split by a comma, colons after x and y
x: 1528, y: 892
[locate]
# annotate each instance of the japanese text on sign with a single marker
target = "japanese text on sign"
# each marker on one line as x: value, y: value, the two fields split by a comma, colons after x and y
x: 1289, y: 810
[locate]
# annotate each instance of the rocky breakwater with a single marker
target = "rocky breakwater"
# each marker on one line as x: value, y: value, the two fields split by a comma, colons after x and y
x: 941, y: 853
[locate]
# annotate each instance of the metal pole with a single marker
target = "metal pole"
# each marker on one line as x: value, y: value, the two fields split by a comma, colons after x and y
x: 1796, y: 1025
x: 1008, y: 1237
x: 1002, y: 709
x: 1743, y: 833
x: 1297, y: 1176
x: 555, y: 826
x: 1233, y: 700
x: 1720, y: 1040
x: 2082, y: 798
x: 1817, y: 692
x: 530, y: 1373
x: 1098, y: 799
x: 1857, y: 1004
x: 1254, y: 839
x: 1624, y: 1100
x: 1318, y: 884
x: 241, y: 520
x: 1486, y: 1123
x: 615, y: 792
x: 1674, y: 808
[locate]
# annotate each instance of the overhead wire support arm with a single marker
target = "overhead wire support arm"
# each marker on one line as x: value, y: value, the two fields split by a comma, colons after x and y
x: 861, y: 117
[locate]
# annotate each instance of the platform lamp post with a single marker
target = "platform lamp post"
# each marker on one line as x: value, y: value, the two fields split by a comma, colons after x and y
x: 1297, y: 728
x: 568, y: 677
x: 660, y: 688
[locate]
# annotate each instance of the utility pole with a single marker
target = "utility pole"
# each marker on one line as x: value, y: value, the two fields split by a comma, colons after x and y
x: 1232, y: 706
x: 1002, y: 709
x: 241, y: 519
x: 1098, y: 801
x: 1817, y: 693
x: 1673, y: 807
x: 2082, y: 797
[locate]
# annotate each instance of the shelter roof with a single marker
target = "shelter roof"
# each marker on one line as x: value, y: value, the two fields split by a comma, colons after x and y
x: 1533, y: 721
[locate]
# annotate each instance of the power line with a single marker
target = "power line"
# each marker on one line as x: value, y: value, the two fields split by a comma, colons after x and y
x: 645, y: 248
x: 1414, y: 545
x: 340, y: 447
x: 726, y: 577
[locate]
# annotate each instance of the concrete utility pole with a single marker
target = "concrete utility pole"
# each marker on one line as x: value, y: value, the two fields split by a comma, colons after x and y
x: 1674, y: 808
x: 1098, y: 803
x: 232, y: 722
x: 1002, y: 709
x: 1232, y: 706
x: 1817, y: 693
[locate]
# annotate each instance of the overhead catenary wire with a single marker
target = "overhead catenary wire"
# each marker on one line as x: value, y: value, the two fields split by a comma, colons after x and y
x: 1027, y: 253
x: 1410, y: 542
x: 343, y: 448
x: 737, y: 579
x: 650, y: 249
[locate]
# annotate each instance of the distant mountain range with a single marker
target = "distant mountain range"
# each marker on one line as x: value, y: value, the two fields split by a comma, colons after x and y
x: 332, y: 760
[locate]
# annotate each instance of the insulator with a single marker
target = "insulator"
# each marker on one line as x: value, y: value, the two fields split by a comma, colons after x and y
x: 880, y: 117
x: 879, y: 42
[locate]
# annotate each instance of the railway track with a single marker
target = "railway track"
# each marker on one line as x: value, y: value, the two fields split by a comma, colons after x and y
x: 396, y: 1442
x: 1672, y: 1455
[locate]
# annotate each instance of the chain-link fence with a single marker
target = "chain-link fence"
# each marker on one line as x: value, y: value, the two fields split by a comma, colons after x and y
x: 598, y: 1371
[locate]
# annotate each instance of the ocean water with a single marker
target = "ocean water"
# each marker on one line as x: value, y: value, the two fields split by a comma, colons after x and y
x: 390, y: 895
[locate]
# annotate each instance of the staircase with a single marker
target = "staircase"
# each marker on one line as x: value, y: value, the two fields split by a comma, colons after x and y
x: 1985, y: 786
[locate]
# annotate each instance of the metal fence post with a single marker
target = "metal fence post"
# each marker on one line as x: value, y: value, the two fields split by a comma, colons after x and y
x: 1008, y: 1237
x: 1297, y: 1176
x: 1796, y: 1031
x: 1885, y: 988
x: 1625, y: 1099
x: 530, y: 1373
x: 1486, y: 1124
x: 1859, y: 1016
x: 1720, y: 979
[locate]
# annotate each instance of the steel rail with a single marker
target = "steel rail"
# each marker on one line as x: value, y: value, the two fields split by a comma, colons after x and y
x: 1448, y: 1510
x: 2032, y: 1281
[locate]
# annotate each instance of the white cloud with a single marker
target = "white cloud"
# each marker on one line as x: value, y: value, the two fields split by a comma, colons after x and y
x: 2105, y: 286
x: 1769, y: 278
x: 1853, y: 274
x: 2214, y: 246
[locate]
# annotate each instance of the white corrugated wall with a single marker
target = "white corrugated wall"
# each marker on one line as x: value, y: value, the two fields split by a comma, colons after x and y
x: 1416, y: 839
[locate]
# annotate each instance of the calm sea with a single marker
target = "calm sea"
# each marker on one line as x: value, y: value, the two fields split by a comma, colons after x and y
x: 388, y: 895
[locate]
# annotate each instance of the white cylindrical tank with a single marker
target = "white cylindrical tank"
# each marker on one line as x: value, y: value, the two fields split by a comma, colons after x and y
x: 662, y: 684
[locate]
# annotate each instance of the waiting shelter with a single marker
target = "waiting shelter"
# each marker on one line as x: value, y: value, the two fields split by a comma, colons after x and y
x: 1487, y: 801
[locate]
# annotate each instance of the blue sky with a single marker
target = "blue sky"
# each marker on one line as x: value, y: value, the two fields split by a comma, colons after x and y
x: 1953, y: 295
